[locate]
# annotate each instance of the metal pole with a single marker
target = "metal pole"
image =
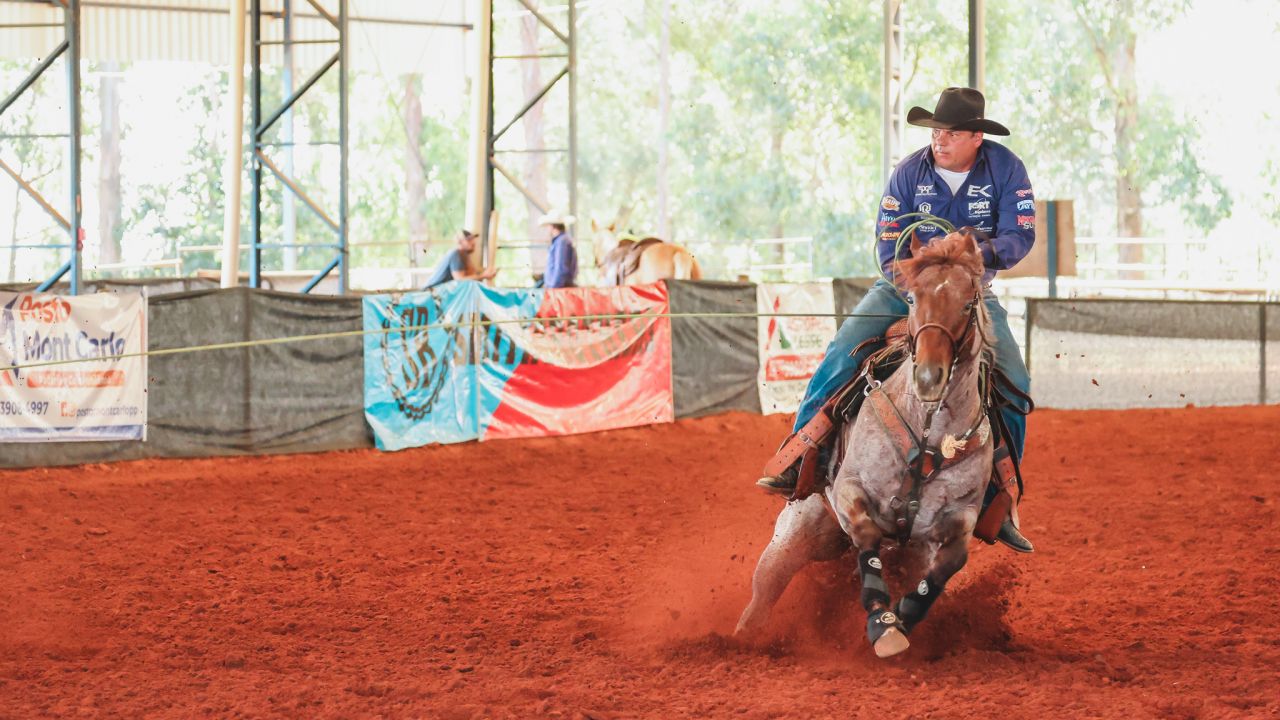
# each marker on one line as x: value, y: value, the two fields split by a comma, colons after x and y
x: 481, y: 125
x: 288, y: 205
x: 72, y: 17
x: 233, y: 168
x: 1029, y: 316
x: 978, y: 45
x: 1262, y: 353
x: 1051, y: 236
x: 255, y: 102
x: 343, y: 132
x: 893, y: 120
x: 572, y: 42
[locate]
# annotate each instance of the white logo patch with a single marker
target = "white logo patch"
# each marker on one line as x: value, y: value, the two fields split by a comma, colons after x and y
x: 1026, y: 204
x: 926, y: 207
x: 874, y: 562
x: 924, y: 190
x: 980, y: 208
x: 984, y: 191
x: 923, y: 588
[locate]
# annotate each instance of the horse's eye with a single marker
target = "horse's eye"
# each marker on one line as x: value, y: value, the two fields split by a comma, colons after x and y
x: 968, y: 306
x: 911, y: 299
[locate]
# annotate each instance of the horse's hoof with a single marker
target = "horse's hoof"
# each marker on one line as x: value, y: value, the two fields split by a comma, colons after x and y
x: 884, y: 630
x: 892, y: 642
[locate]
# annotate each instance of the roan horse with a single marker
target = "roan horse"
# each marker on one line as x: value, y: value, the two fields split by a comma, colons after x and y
x: 637, y: 262
x: 935, y: 395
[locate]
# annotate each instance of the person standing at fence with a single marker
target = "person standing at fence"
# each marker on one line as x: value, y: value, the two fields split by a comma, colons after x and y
x: 562, y: 258
x: 967, y: 181
x: 453, y: 266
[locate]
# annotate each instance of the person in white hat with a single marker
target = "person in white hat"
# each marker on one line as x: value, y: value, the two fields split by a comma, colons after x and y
x: 562, y: 258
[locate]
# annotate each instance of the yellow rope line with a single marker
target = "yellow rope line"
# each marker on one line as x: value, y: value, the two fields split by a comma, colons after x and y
x: 409, y: 328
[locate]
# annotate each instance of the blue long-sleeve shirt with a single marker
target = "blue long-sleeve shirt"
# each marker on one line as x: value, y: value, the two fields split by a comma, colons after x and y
x: 562, y: 263
x: 995, y: 198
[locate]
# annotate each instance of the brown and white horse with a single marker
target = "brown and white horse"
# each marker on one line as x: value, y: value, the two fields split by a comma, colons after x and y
x: 628, y: 261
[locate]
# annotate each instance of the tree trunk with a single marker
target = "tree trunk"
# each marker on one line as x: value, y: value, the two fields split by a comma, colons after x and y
x: 779, y: 227
x: 1128, y: 186
x: 415, y: 175
x: 109, y: 218
x: 535, y: 168
x: 664, y: 121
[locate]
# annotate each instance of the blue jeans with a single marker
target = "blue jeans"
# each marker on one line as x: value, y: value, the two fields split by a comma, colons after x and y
x: 838, y: 367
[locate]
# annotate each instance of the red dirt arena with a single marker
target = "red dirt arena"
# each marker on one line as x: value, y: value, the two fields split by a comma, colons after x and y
x: 601, y: 575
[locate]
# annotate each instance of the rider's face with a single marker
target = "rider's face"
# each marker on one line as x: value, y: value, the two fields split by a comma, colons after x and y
x: 955, y: 150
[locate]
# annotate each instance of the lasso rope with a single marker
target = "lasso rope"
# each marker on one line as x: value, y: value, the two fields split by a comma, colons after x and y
x: 905, y: 237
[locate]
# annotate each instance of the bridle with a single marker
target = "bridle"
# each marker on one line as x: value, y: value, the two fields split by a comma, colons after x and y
x: 913, y: 334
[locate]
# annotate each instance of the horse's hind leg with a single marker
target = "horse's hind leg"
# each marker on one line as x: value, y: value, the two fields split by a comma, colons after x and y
x: 803, y: 533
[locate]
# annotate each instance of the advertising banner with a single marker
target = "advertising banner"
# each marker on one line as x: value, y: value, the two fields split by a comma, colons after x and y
x: 98, y: 399
x: 419, y: 382
x: 516, y: 363
x: 792, y: 347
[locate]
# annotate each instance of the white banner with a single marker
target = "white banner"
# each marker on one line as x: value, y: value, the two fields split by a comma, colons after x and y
x: 791, y: 348
x: 93, y: 400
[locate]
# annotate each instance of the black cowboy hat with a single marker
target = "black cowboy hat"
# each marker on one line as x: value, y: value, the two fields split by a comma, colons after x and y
x: 957, y: 109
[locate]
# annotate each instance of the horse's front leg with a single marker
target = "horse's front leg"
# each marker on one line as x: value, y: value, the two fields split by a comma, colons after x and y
x: 947, y: 560
x: 884, y: 631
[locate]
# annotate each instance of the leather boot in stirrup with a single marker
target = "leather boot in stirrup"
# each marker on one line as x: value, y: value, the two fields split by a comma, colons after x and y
x: 1011, y: 536
x: 784, y: 483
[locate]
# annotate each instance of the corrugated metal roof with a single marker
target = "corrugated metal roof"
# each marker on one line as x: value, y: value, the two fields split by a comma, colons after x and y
x: 198, y: 31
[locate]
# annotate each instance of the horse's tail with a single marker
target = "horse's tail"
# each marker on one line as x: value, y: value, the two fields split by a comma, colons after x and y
x: 685, y: 266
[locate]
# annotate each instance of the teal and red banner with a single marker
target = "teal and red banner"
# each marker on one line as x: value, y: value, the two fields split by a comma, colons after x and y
x: 464, y: 362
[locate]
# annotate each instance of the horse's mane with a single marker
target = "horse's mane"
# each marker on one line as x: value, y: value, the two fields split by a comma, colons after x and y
x: 956, y: 249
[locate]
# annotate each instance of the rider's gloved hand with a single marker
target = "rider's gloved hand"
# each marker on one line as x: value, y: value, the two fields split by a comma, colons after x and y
x: 984, y: 245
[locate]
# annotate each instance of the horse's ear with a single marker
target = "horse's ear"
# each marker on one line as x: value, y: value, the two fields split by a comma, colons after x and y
x: 915, y: 244
x: 595, y: 226
x: 612, y: 226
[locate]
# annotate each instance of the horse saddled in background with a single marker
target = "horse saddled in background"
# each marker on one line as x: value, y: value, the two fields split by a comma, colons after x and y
x: 625, y: 259
x: 912, y: 468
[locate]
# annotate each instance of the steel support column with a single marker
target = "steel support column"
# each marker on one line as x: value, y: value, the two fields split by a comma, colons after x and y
x: 978, y: 45
x: 894, y: 119
x: 264, y: 122
x: 69, y: 51
x: 567, y: 74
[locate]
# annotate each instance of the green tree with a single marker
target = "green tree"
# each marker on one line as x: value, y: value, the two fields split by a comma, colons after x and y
x: 1084, y: 122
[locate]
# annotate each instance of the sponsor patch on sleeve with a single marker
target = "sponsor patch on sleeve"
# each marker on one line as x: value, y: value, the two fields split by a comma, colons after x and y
x: 890, y: 236
x: 1027, y: 222
x: 1024, y: 192
x: 890, y: 203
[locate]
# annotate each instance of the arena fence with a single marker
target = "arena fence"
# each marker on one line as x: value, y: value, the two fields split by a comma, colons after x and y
x: 309, y: 396
x: 1152, y: 353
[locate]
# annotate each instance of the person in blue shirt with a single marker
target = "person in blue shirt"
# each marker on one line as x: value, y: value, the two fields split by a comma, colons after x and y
x: 453, y: 266
x: 968, y: 181
x: 562, y: 258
